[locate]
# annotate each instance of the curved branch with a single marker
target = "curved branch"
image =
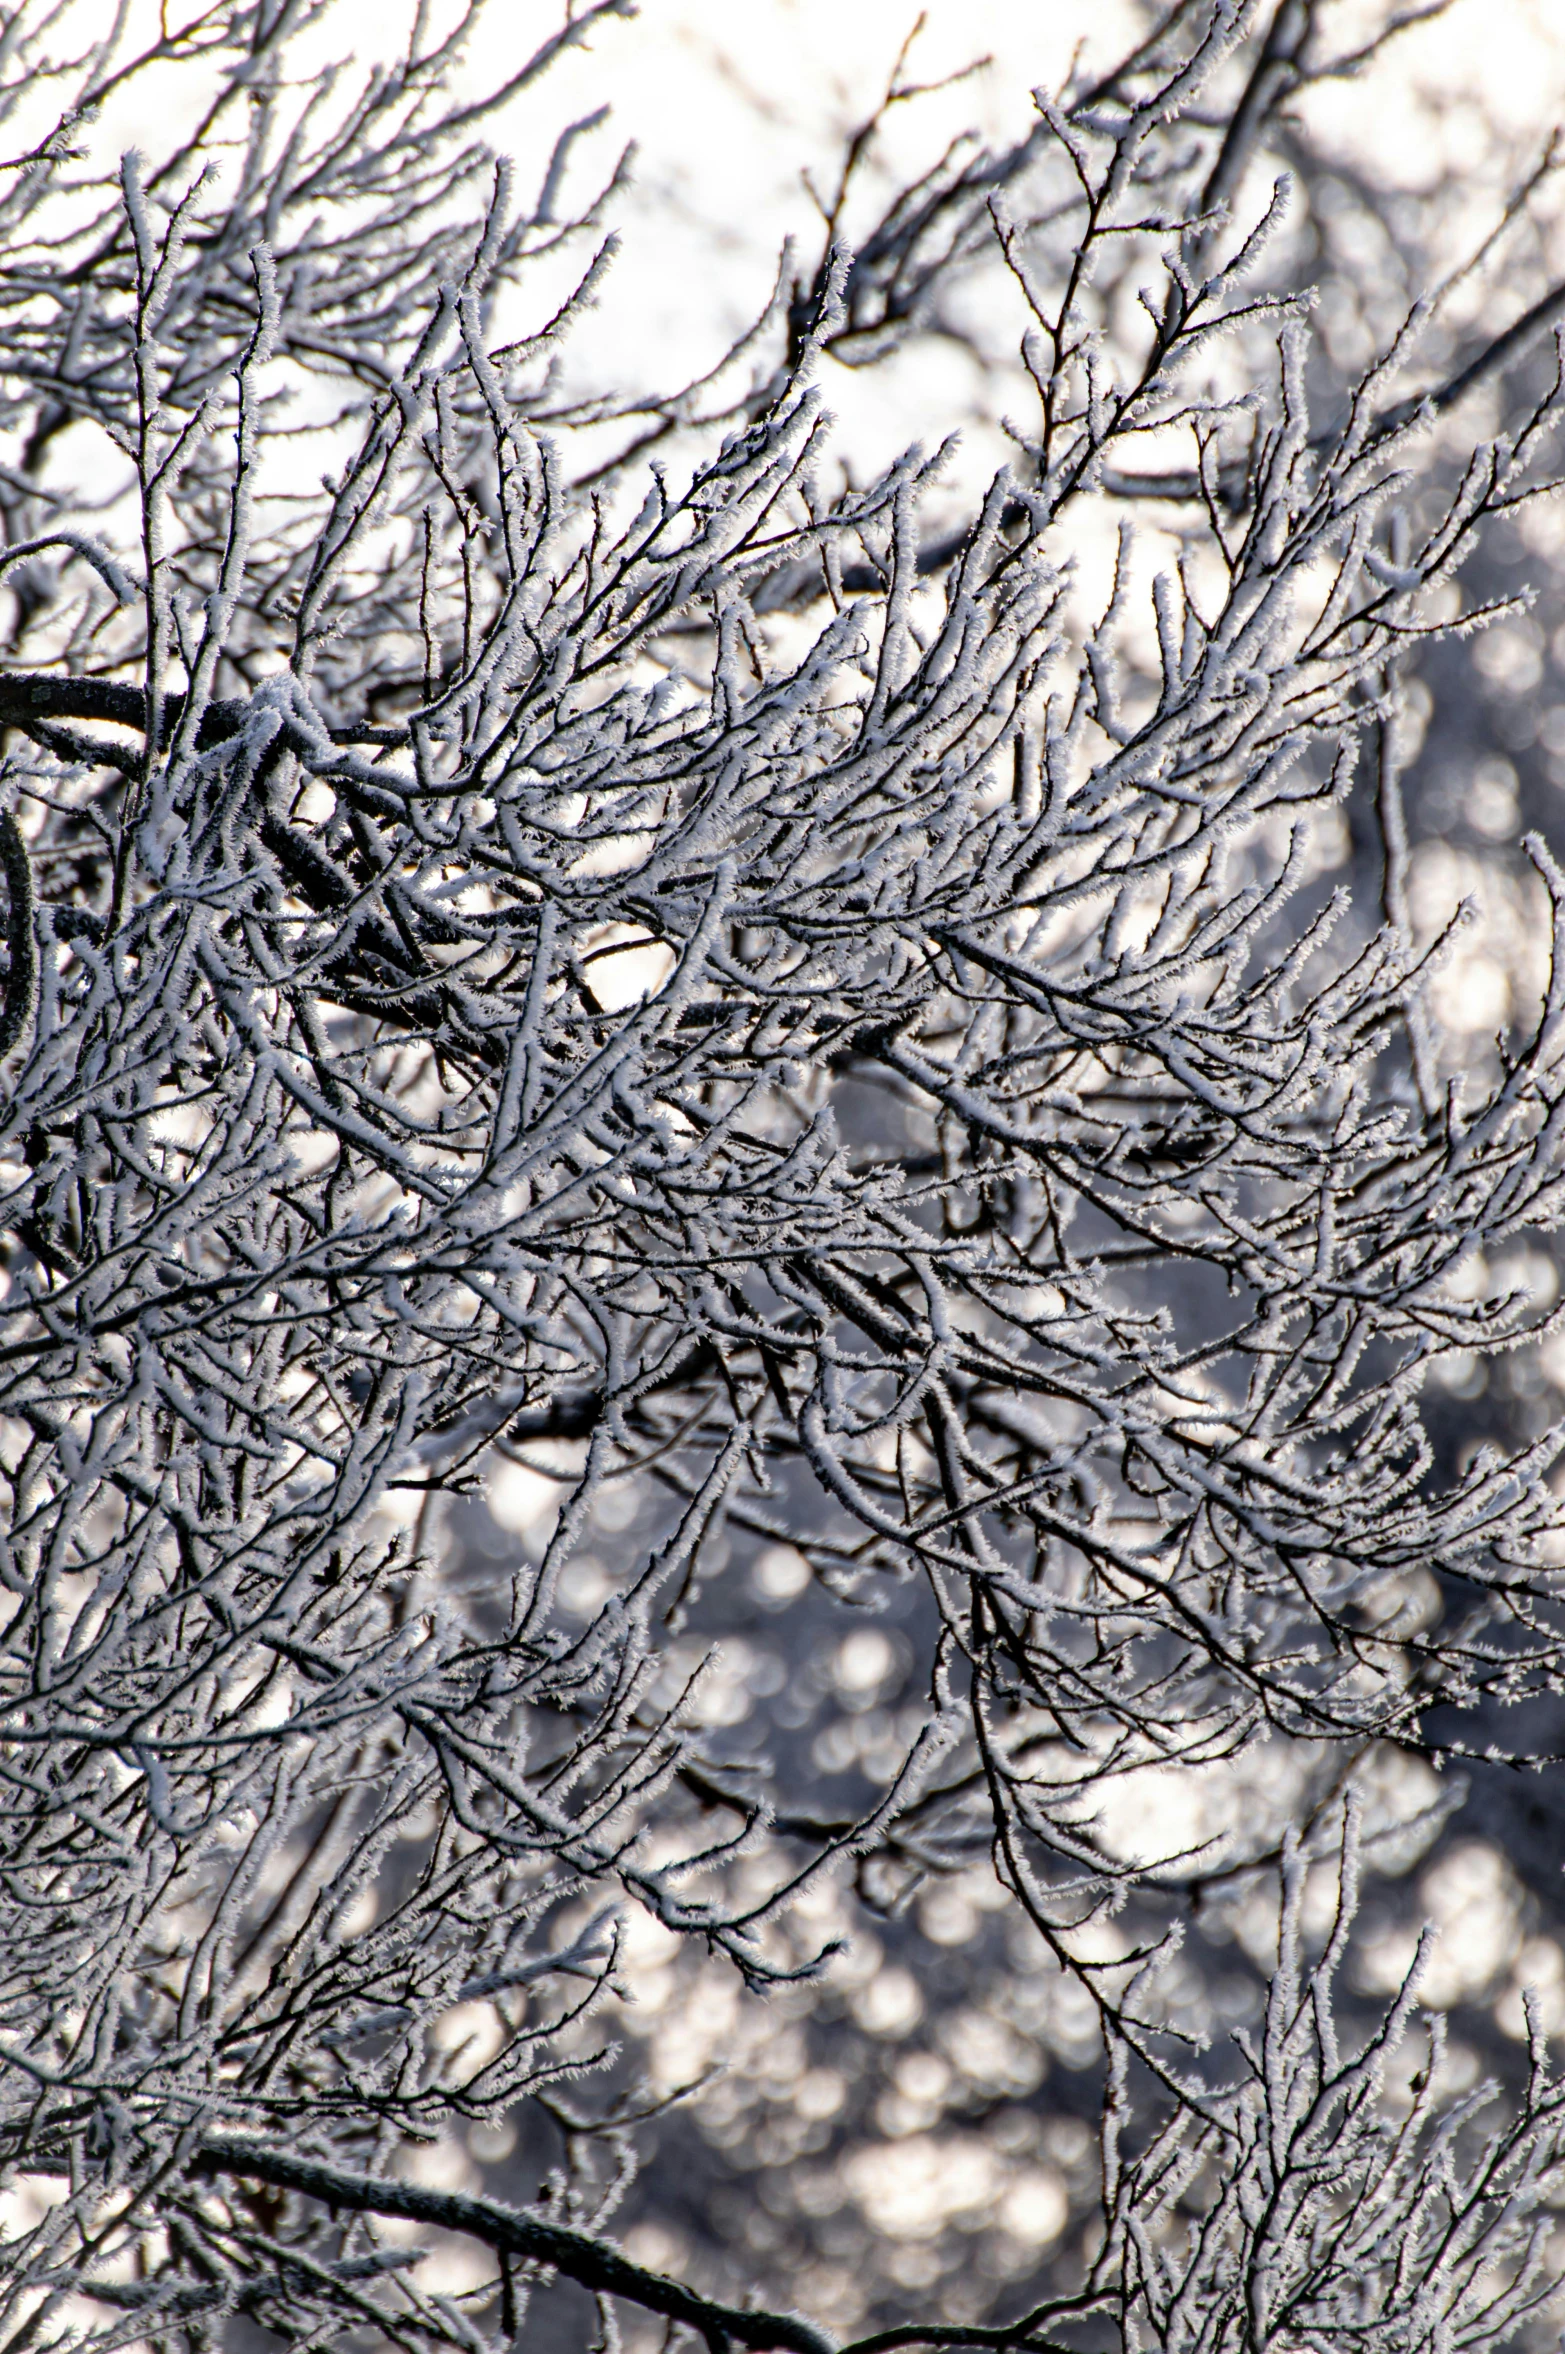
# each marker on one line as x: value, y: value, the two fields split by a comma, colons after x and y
x: 38, y: 695
x: 593, y: 2263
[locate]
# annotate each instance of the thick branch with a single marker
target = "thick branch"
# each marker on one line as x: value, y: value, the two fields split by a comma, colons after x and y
x: 591, y: 2262
x: 29, y: 695
x: 21, y: 983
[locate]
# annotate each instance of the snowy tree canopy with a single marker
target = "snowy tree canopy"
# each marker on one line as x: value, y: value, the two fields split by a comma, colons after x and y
x: 681, y: 965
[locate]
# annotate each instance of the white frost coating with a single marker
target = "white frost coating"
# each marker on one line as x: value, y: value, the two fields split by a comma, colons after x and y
x: 978, y: 1181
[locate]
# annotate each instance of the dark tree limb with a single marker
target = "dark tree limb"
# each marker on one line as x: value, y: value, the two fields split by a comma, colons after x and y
x: 21, y: 985
x: 33, y: 695
x: 593, y: 2263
